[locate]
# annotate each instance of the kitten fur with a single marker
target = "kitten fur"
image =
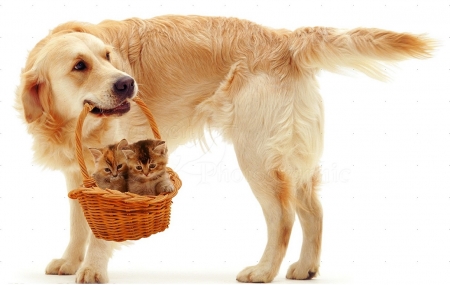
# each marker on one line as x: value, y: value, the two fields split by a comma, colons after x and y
x: 147, y: 175
x: 111, y: 169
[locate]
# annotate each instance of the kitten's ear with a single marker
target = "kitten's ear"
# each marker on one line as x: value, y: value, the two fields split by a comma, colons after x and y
x: 123, y: 143
x: 128, y: 153
x: 96, y: 153
x: 160, y: 147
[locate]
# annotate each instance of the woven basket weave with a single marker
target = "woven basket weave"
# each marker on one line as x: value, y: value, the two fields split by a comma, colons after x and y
x: 116, y: 216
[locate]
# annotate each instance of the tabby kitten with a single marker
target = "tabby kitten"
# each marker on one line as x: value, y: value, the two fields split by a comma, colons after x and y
x: 111, y: 170
x: 147, y: 173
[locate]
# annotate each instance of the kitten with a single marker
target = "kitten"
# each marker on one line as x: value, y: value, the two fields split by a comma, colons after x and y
x: 111, y: 170
x: 147, y: 173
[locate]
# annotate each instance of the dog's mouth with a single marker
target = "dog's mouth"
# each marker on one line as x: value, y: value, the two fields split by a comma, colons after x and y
x: 121, y: 109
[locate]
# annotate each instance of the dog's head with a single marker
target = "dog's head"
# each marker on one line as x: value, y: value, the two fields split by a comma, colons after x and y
x: 68, y: 69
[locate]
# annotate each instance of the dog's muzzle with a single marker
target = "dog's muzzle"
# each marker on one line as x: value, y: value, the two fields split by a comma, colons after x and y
x: 124, y: 88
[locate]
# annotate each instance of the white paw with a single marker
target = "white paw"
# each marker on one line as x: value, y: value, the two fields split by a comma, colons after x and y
x: 299, y: 271
x: 62, y: 267
x: 91, y: 275
x: 167, y: 188
x: 256, y: 274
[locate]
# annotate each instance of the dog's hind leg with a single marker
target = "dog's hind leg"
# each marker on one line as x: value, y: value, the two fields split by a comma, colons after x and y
x: 309, y: 211
x: 273, y: 190
x: 248, y: 108
x: 73, y: 256
x: 275, y: 124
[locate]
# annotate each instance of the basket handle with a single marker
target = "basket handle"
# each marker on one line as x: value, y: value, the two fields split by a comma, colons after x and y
x: 89, y: 182
x: 149, y: 115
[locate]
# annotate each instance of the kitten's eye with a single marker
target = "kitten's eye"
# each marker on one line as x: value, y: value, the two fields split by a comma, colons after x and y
x: 107, y: 170
x: 80, y: 66
x: 107, y: 56
x: 152, y: 165
x: 139, y: 167
x: 119, y: 166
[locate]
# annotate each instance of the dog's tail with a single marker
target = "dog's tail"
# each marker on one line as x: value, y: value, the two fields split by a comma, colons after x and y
x: 361, y: 49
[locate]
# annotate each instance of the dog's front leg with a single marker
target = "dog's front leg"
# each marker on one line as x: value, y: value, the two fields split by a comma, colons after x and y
x: 69, y: 263
x: 94, y: 268
x: 79, y: 230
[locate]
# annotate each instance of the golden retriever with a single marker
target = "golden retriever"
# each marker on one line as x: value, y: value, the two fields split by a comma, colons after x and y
x: 255, y: 84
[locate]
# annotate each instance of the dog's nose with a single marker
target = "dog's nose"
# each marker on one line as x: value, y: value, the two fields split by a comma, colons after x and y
x: 124, y: 86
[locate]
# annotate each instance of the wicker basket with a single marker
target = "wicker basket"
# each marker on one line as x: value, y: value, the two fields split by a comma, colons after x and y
x: 116, y: 216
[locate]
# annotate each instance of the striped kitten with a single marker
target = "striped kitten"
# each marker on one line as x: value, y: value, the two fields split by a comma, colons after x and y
x: 147, y: 173
x: 111, y: 170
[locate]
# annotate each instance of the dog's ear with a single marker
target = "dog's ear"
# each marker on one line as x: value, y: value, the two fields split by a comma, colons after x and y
x: 30, y: 95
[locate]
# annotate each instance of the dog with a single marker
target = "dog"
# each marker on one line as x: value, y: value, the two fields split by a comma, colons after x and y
x: 255, y: 84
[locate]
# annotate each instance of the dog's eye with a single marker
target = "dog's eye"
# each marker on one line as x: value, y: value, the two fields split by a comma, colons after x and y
x: 139, y: 167
x: 107, y: 56
x: 107, y: 170
x: 80, y: 66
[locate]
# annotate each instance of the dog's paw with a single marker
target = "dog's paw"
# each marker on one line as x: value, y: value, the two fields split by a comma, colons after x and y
x: 299, y: 271
x: 62, y: 267
x: 91, y: 275
x: 256, y: 274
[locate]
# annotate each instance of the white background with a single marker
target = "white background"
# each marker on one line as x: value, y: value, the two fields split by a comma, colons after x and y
x: 386, y: 165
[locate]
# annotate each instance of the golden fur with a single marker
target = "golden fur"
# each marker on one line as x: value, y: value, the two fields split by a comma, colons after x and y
x: 257, y: 85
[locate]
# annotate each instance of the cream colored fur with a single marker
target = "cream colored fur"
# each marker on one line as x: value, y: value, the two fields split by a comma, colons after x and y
x: 254, y: 84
